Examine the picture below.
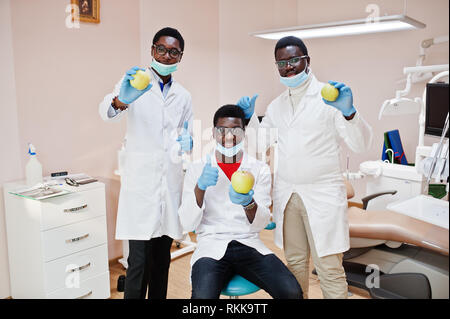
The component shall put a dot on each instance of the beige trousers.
(299, 247)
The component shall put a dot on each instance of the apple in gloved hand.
(140, 81)
(242, 181)
(329, 92)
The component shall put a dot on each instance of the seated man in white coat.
(228, 223)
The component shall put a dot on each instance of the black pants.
(209, 276)
(148, 267)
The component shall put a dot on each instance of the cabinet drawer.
(93, 288)
(66, 240)
(72, 208)
(69, 271)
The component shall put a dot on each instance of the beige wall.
(10, 166)
(60, 75)
(53, 78)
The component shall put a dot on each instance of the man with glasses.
(159, 122)
(228, 223)
(309, 194)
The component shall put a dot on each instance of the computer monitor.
(436, 108)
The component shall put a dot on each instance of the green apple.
(242, 181)
(329, 92)
(140, 81)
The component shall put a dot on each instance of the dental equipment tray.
(425, 208)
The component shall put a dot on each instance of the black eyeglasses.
(223, 131)
(162, 50)
(292, 62)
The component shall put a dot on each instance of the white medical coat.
(219, 221)
(309, 163)
(152, 173)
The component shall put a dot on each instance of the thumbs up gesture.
(247, 104)
(209, 176)
(185, 139)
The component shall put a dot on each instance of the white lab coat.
(309, 163)
(152, 173)
(219, 221)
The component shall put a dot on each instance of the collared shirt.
(296, 94)
(164, 87)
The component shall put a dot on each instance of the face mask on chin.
(296, 80)
(163, 69)
(229, 151)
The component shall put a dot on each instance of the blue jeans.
(210, 276)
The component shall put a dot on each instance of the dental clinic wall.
(372, 65)
(10, 166)
(51, 81)
(54, 77)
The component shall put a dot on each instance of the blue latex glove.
(129, 94)
(185, 139)
(209, 176)
(240, 199)
(344, 102)
(248, 105)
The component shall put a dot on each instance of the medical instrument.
(392, 156)
(430, 169)
(71, 182)
(425, 44)
(401, 105)
(436, 107)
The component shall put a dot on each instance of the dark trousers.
(148, 267)
(210, 276)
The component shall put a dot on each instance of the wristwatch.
(250, 206)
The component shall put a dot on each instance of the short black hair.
(170, 32)
(230, 110)
(290, 40)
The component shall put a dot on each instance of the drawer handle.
(80, 268)
(77, 239)
(85, 295)
(75, 209)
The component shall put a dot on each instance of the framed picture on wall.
(89, 10)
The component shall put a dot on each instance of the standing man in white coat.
(158, 122)
(228, 223)
(309, 194)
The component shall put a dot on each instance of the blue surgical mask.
(163, 69)
(229, 151)
(296, 80)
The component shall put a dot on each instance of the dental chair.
(394, 256)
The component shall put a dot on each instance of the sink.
(425, 208)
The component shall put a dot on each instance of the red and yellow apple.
(242, 181)
(140, 81)
(329, 92)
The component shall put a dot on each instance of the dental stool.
(238, 285)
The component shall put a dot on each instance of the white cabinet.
(57, 247)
